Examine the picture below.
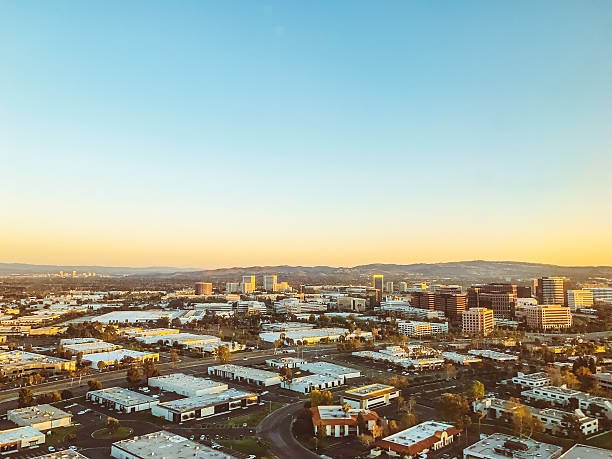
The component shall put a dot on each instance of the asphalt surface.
(276, 429)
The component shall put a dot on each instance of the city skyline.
(213, 135)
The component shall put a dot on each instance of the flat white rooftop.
(586, 452)
(201, 401)
(35, 414)
(65, 454)
(138, 316)
(18, 434)
(22, 356)
(167, 445)
(78, 340)
(245, 372)
(186, 381)
(326, 368)
(371, 390)
(500, 356)
(122, 396)
(417, 433)
(116, 355)
(501, 446)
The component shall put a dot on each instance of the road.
(117, 377)
(276, 429)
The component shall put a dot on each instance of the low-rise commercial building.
(119, 356)
(245, 374)
(187, 385)
(562, 396)
(420, 439)
(306, 384)
(461, 359)
(285, 362)
(314, 335)
(529, 381)
(203, 406)
(121, 399)
(163, 444)
(501, 446)
(493, 355)
(370, 396)
(14, 440)
(63, 454)
(331, 369)
(586, 452)
(18, 363)
(93, 347)
(420, 329)
(336, 422)
(604, 379)
(554, 421)
(40, 417)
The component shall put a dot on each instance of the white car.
(51, 449)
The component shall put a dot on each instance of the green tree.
(478, 390)
(224, 354)
(26, 397)
(94, 384)
(112, 424)
(133, 375)
(174, 357)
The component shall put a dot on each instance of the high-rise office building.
(248, 284)
(523, 291)
(389, 287)
(232, 287)
(501, 298)
(549, 316)
(601, 294)
(203, 288)
(378, 282)
(423, 300)
(403, 287)
(478, 320)
(579, 299)
(269, 282)
(452, 304)
(551, 290)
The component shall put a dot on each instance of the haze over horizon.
(240, 134)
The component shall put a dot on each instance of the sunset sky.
(235, 133)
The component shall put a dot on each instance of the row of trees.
(27, 398)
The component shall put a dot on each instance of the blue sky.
(305, 132)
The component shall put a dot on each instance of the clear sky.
(228, 133)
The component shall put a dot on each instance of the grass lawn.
(248, 445)
(601, 441)
(106, 434)
(254, 417)
(59, 435)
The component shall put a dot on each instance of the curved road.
(276, 429)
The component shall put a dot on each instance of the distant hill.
(24, 268)
(456, 270)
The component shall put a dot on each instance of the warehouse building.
(18, 363)
(285, 362)
(163, 444)
(370, 396)
(14, 440)
(63, 454)
(331, 369)
(40, 417)
(93, 347)
(306, 384)
(187, 385)
(204, 405)
(119, 356)
(121, 399)
(245, 374)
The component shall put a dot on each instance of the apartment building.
(478, 321)
(549, 316)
